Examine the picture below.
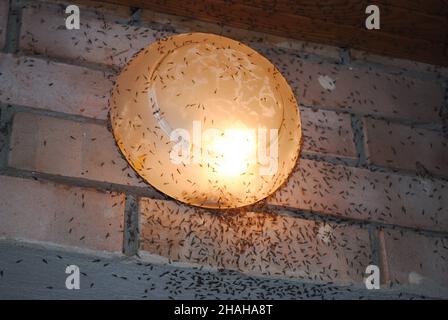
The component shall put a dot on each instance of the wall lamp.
(206, 120)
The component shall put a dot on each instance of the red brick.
(416, 259)
(362, 194)
(256, 243)
(360, 90)
(327, 132)
(2, 141)
(252, 38)
(97, 40)
(260, 40)
(65, 215)
(361, 57)
(404, 147)
(54, 86)
(3, 138)
(68, 148)
(4, 9)
(177, 24)
(102, 10)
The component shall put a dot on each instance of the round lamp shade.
(206, 120)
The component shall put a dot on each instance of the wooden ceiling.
(410, 29)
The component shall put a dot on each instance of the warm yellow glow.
(232, 152)
(206, 120)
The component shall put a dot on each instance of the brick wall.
(370, 186)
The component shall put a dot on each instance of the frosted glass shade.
(206, 120)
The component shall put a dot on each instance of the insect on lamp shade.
(206, 120)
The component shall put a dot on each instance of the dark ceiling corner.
(410, 29)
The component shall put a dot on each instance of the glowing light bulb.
(233, 152)
(200, 95)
